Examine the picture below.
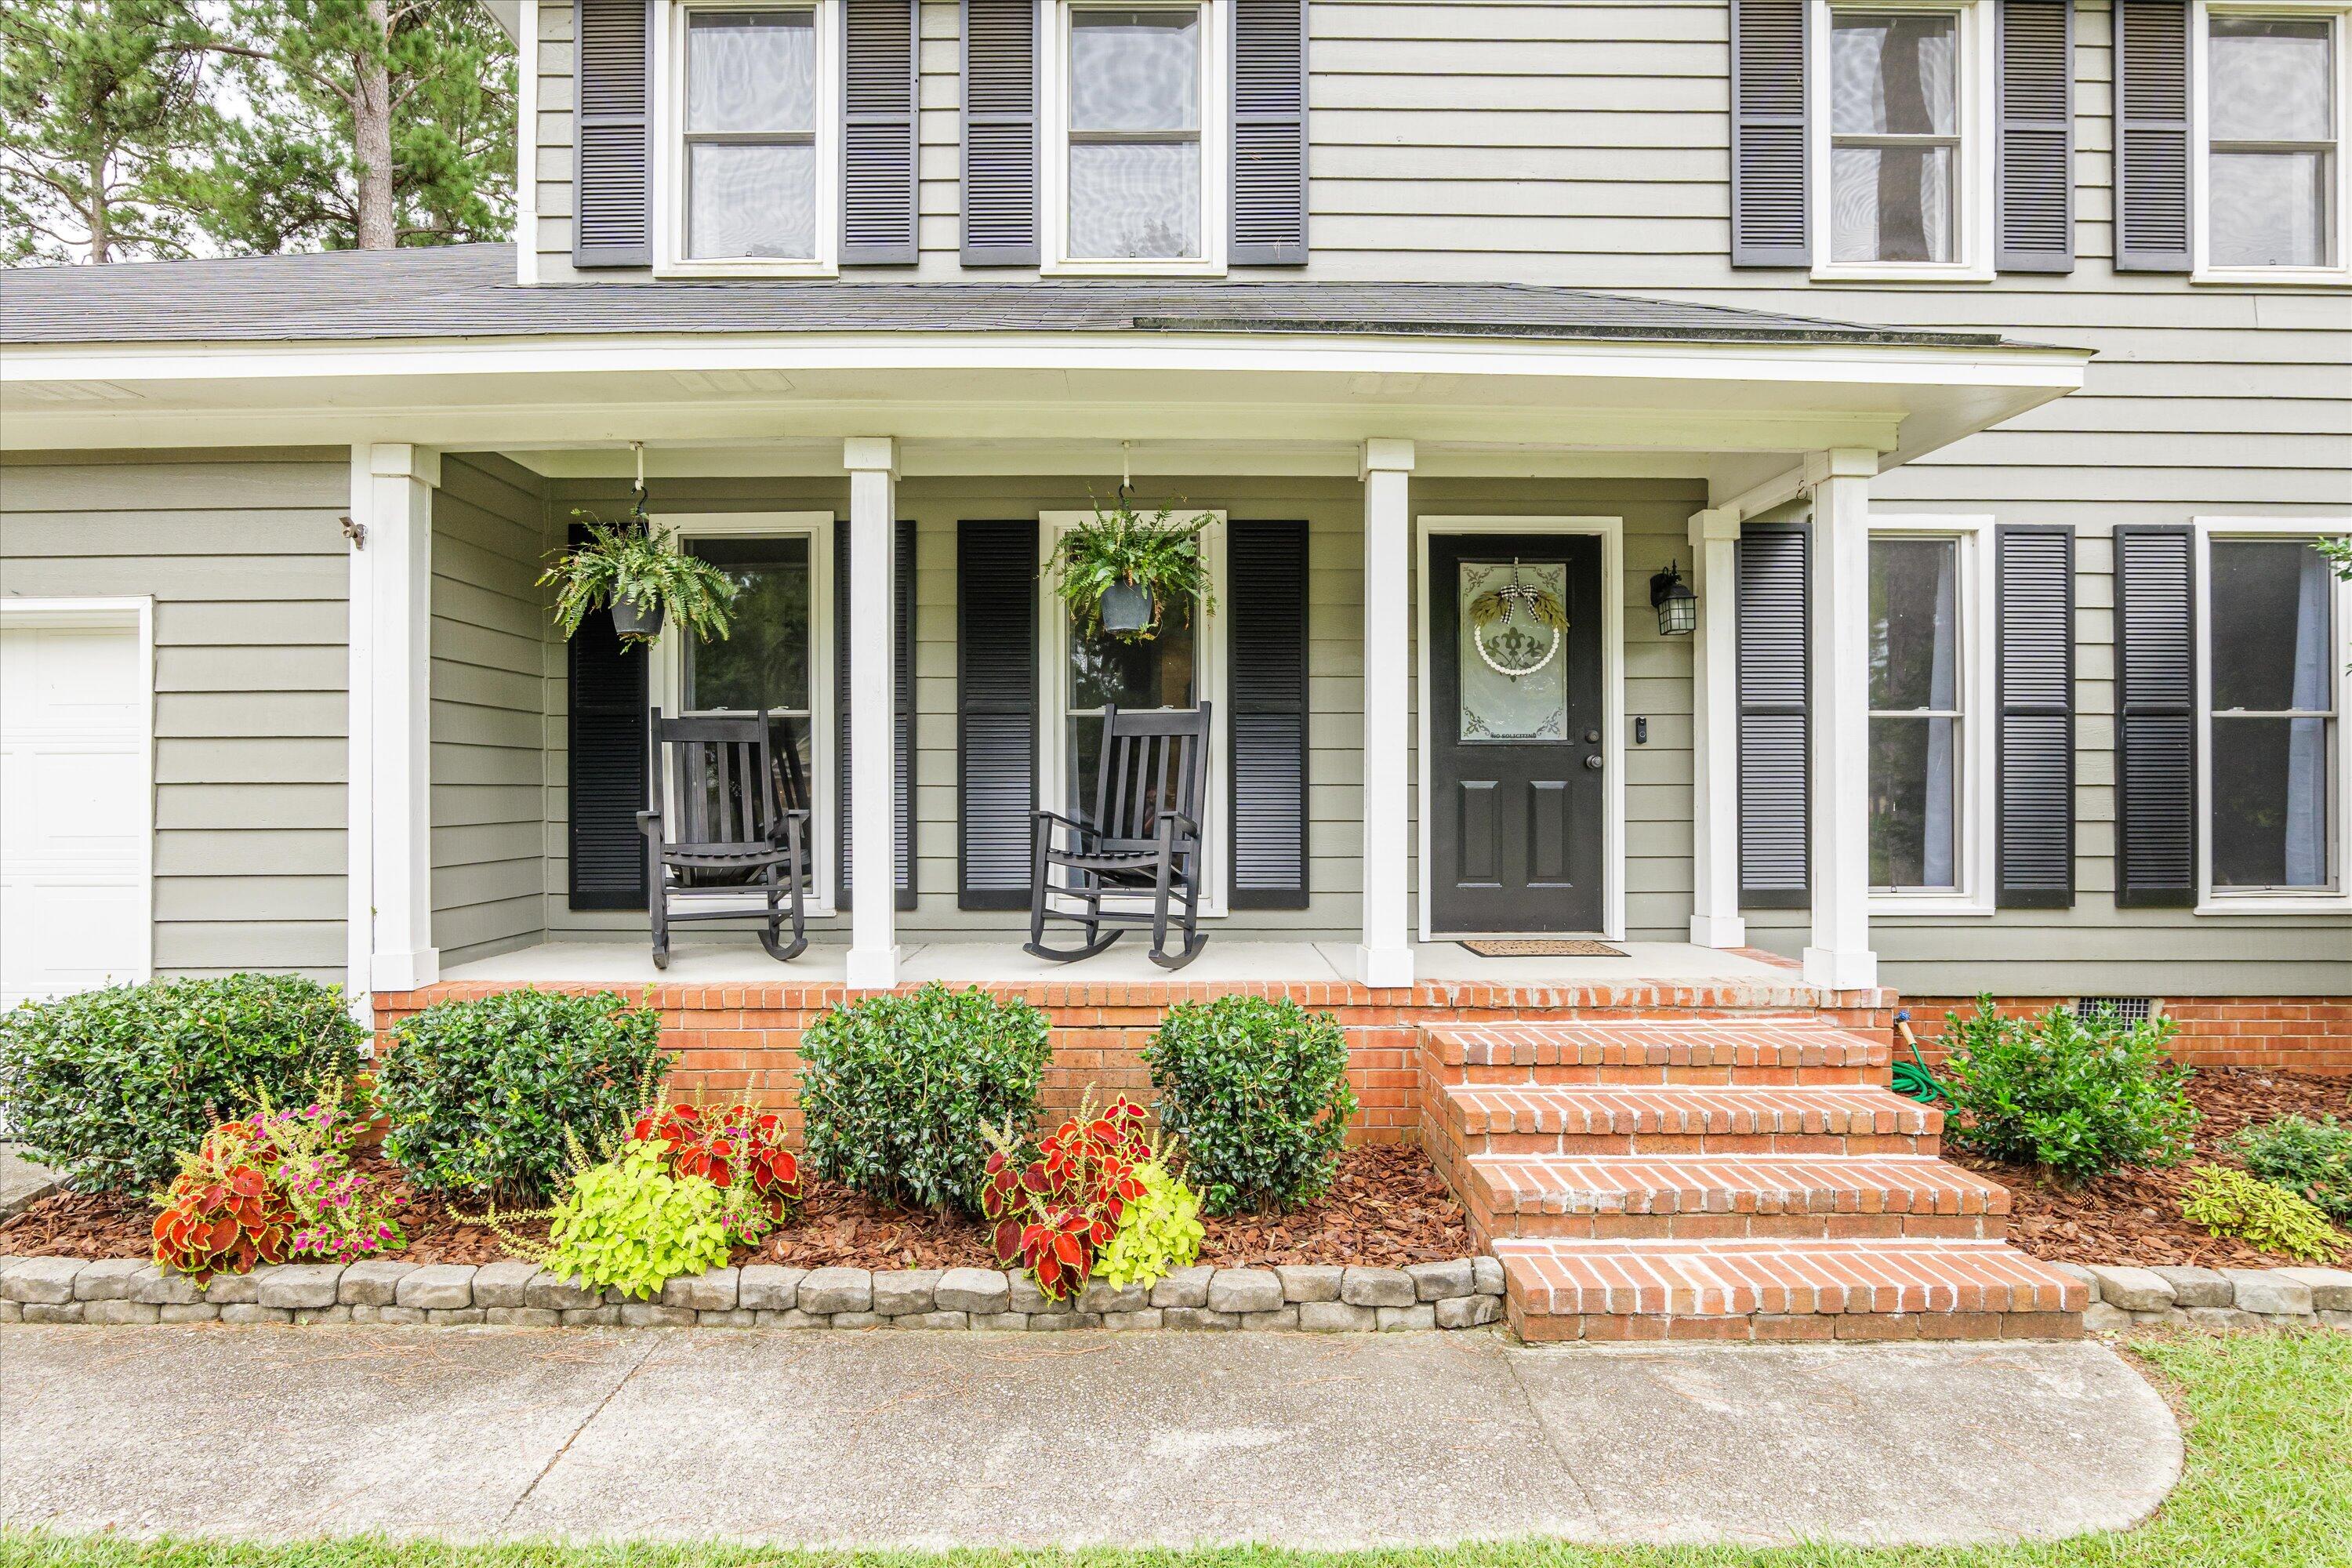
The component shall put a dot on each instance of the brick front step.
(1701, 1196)
(1784, 1289)
(1562, 1119)
(1748, 1052)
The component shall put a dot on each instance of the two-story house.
(1984, 367)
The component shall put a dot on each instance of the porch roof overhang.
(441, 347)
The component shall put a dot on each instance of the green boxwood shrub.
(486, 1097)
(2313, 1158)
(1257, 1091)
(110, 1088)
(2075, 1096)
(897, 1091)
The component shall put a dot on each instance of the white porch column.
(1714, 734)
(390, 695)
(872, 465)
(1841, 955)
(1386, 956)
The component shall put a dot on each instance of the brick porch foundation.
(2298, 1034)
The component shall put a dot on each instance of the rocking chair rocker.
(732, 828)
(1143, 839)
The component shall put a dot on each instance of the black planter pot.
(632, 620)
(1125, 609)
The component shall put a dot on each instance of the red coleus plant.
(725, 1143)
(224, 1211)
(1058, 1207)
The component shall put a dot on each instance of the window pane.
(752, 70)
(1890, 203)
(1135, 70)
(2272, 607)
(1513, 663)
(2271, 791)
(1140, 200)
(2273, 209)
(2272, 80)
(1158, 673)
(763, 661)
(1911, 797)
(1895, 74)
(749, 200)
(1915, 623)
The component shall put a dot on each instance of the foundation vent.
(2130, 1009)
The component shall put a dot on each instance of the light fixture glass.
(1676, 606)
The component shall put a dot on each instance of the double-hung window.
(750, 145)
(1903, 171)
(1135, 98)
(1930, 679)
(2274, 182)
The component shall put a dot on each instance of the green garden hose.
(1911, 1078)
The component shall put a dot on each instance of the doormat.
(1544, 947)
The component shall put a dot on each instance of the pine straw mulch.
(1386, 1207)
(2134, 1215)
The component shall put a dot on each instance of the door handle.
(1593, 762)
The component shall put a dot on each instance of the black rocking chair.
(1144, 838)
(729, 829)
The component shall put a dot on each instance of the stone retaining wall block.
(1303, 1282)
(436, 1287)
(2133, 1290)
(1377, 1288)
(373, 1283)
(1441, 1281)
(1241, 1290)
(1392, 1318)
(43, 1281)
(837, 1290)
(2268, 1292)
(160, 1287)
(984, 1291)
(1186, 1287)
(1469, 1312)
(901, 1292)
(2194, 1286)
(503, 1283)
(301, 1286)
(119, 1309)
(768, 1287)
(106, 1280)
(2331, 1289)
(557, 1294)
(713, 1290)
(1338, 1318)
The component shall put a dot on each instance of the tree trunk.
(371, 133)
(101, 233)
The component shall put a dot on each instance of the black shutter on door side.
(1267, 712)
(2152, 151)
(878, 133)
(1000, 133)
(1769, 173)
(902, 782)
(613, 147)
(2034, 568)
(2156, 717)
(996, 711)
(1269, 161)
(606, 741)
(1774, 716)
(2034, 166)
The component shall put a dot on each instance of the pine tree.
(96, 97)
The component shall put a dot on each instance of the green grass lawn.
(2269, 1484)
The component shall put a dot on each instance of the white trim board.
(1611, 530)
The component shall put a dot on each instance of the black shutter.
(606, 741)
(1769, 162)
(1774, 730)
(996, 711)
(613, 134)
(1267, 712)
(1000, 133)
(1269, 167)
(2035, 166)
(2035, 571)
(2156, 717)
(878, 133)
(2152, 68)
(902, 782)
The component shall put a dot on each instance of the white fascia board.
(508, 14)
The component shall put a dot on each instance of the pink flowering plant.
(342, 1214)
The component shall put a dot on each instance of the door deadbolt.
(1592, 737)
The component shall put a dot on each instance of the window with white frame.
(1929, 678)
(1904, 176)
(2274, 653)
(2273, 128)
(1132, 186)
(752, 145)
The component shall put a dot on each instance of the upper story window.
(749, 140)
(1133, 96)
(2272, 142)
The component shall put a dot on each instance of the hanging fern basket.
(1126, 610)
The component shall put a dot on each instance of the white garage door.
(75, 816)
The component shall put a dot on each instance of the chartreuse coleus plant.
(1159, 1233)
(1056, 1207)
(2229, 1202)
(224, 1212)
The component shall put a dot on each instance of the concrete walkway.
(923, 1439)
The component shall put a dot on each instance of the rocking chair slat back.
(1151, 761)
(723, 783)
(725, 831)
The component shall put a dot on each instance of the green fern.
(1122, 546)
(638, 559)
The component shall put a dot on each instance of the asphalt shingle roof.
(468, 291)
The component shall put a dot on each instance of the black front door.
(1515, 733)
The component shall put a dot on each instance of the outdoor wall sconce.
(1676, 606)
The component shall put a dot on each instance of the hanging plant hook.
(639, 493)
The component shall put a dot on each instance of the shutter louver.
(996, 711)
(2035, 166)
(902, 782)
(2152, 151)
(878, 133)
(1769, 175)
(606, 741)
(2156, 717)
(1269, 163)
(2035, 571)
(1000, 133)
(1267, 712)
(1774, 716)
(613, 148)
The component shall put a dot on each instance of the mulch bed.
(1386, 1207)
(2134, 1215)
